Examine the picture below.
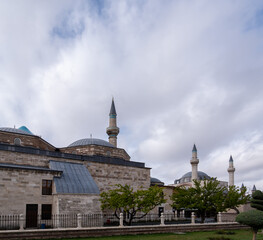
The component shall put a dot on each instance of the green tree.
(208, 196)
(257, 200)
(124, 199)
(252, 218)
(235, 197)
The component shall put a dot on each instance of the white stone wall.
(21, 187)
(77, 203)
(107, 175)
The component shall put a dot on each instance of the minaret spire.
(113, 130)
(231, 171)
(194, 162)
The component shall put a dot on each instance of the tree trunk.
(254, 235)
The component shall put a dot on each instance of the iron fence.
(9, 222)
(14, 222)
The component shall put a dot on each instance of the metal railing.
(14, 222)
(9, 222)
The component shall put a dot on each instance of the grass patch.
(219, 238)
(213, 235)
(225, 232)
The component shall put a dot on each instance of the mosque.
(39, 178)
(187, 179)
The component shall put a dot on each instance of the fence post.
(162, 219)
(182, 214)
(57, 220)
(219, 217)
(121, 220)
(21, 222)
(101, 220)
(192, 218)
(79, 220)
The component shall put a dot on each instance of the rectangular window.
(46, 211)
(46, 187)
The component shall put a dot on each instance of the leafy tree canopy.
(257, 200)
(252, 218)
(208, 196)
(235, 197)
(124, 199)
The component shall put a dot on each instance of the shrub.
(252, 218)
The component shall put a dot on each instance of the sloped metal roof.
(90, 141)
(75, 178)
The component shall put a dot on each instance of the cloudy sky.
(181, 72)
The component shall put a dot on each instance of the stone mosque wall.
(18, 187)
(107, 175)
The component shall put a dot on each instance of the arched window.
(17, 141)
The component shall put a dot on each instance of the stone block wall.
(25, 159)
(26, 140)
(107, 175)
(21, 187)
(97, 150)
(77, 203)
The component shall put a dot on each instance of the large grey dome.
(90, 141)
(188, 176)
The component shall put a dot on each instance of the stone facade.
(19, 187)
(24, 166)
(26, 140)
(108, 175)
(77, 203)
(97, 150)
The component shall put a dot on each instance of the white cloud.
(181, 73)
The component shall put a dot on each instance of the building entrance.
(31, 215)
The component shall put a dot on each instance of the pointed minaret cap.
(242, 186)
(194, 149)
(230, 159)
(112, 109)
(254, 188)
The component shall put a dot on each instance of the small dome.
(188, 176)
(21, 130)
(156, 181)
(25, 129)
(90, 141)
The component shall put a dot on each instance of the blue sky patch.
(69, 27)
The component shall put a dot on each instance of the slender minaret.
(231, 171)
(194, 162)
(113, 130)
(254, 189)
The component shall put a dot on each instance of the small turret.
(254, 189)
(231, 171)
(194, 162)
(113, 130)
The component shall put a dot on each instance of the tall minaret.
(194, 162)
(113, 130)
(231, 171)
